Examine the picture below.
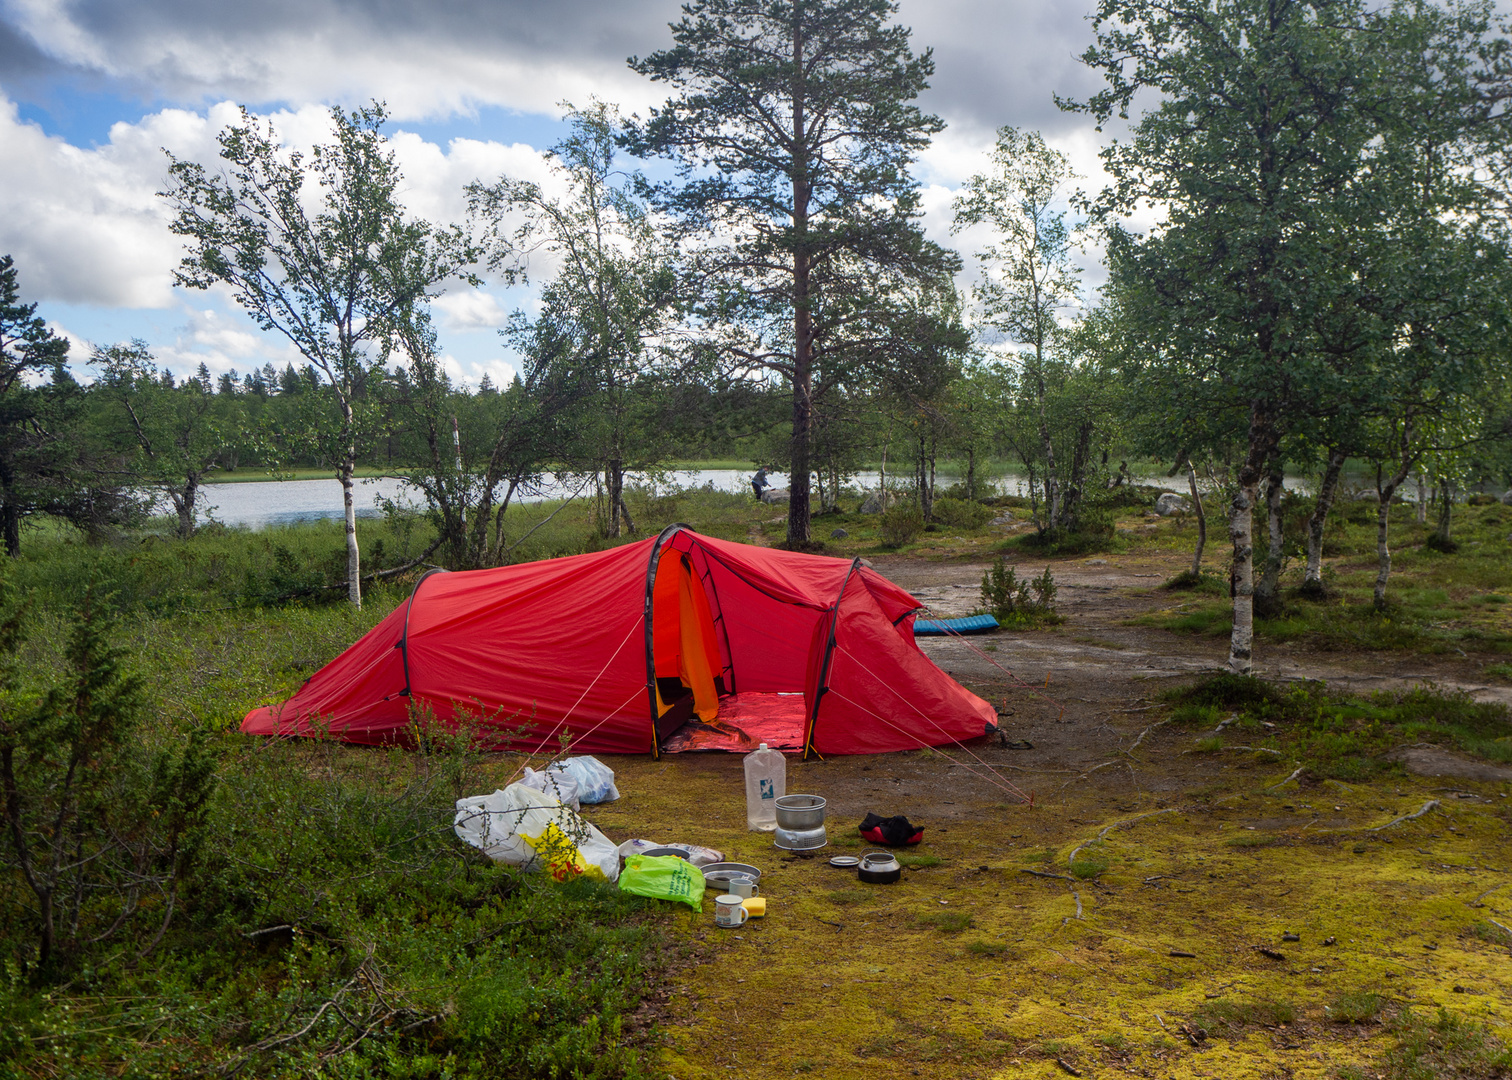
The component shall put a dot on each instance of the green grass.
(1447, 1045)
(946, 922)
(1357, 1007)
(1436, 602)
(919, 862)
(1222, 1015)
(1335, 734)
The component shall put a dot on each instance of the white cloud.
(470, 310)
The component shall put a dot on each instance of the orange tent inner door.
(683, 643)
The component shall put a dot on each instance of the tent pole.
(821, 688)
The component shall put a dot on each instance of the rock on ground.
(775, 495)
(1425, 759)
(1170, 503)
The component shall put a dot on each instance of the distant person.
(760, 482)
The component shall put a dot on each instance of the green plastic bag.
(663, 877)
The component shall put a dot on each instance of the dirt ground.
(1228, 918)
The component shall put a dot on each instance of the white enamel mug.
(742, 885)
(728, 912)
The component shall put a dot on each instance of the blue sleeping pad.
(971, 624)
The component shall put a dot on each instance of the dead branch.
(1116, 825)
(1146, 731)
(1477, 901)
(1086, 774)
(1289, 779)
(1427, 806)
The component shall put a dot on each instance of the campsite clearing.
(1023, 941)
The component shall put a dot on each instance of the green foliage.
(961, 513)
(1336, 734)
(901, 523)
(97, 821)
(1186, 581)
(1016, 602)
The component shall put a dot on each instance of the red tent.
(683, 641)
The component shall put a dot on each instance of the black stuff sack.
(891, 831)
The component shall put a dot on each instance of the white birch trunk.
(1241, 535)
(349, 506)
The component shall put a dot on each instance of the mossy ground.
(974, 967)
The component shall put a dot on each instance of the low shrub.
(961, 514)
(1016, 602)
(900, 524)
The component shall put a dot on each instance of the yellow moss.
(845, 980)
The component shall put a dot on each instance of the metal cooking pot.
(800, 812)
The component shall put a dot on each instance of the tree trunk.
(349, 506)
(803, 326)
(1445, 513)
(1052, 504)
(1383, 521)
(1071, 500)
(1242, 582)
(1312, 578)
(1268, 589)
(10, 514)
(1201, 520)
(1262, 442)
(615, 476)
(1422, 500)
(971, 491)
(184, 504)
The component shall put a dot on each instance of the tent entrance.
(684, 648)
(745, 721)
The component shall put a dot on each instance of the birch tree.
(1029, 279)
(319, 249)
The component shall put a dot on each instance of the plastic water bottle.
(766, 782)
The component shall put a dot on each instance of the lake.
(264, 503)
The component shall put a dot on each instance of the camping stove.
(800, 839)
(800, 823)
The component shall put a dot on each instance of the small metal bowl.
(678, 853)
(845, 862)
(717, 875)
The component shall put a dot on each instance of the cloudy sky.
(92, 91)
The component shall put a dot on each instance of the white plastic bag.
(520, 826)
(555, 782)
(595, 780)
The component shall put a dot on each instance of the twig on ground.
(1427, 806)
(1146, 731)
(1254, 749)
(1289, 779)
(1116, 825)
(1086, 774)
(1477, 901)
(1067, 1068)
